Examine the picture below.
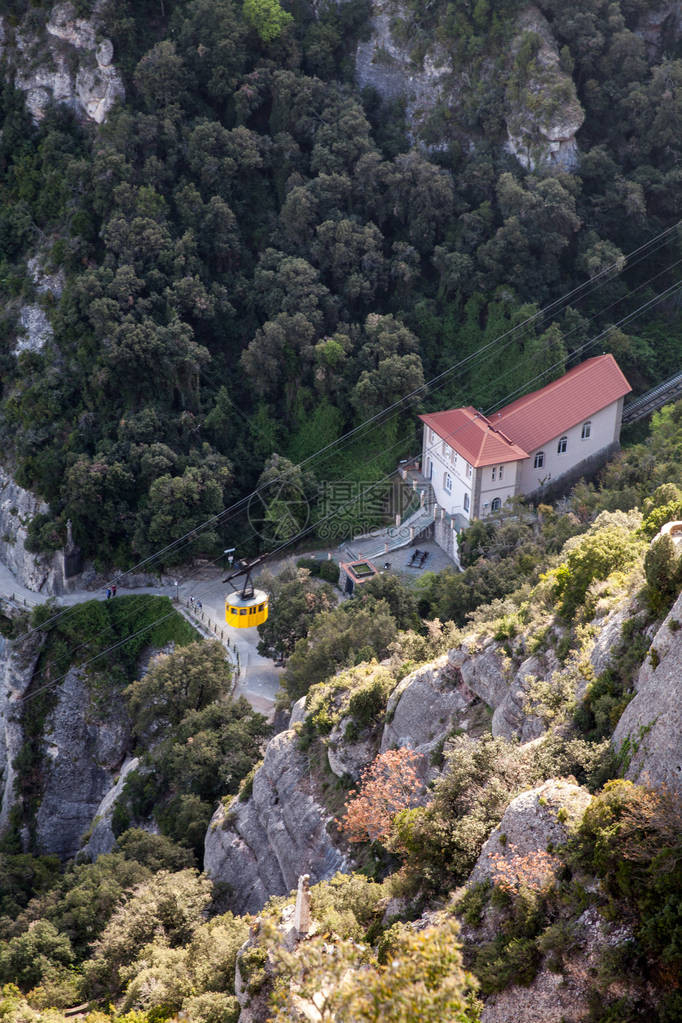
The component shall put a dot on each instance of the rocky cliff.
(43, 573)
(17, 665)
(541, 108)
(59, 57)
(261, 846)
(85, 740)
(649, 734)
(543, 114)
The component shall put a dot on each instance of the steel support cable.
(304, 532)
(231, 512)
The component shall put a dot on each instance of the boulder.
(426, 705)
(536, 819)
(261, 846)
(649, 733)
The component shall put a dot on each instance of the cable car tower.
(246, 607)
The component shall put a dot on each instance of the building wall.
(502, 488)
(605, 429)
(439, 463)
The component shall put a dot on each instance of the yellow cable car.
(246, 608)
(246, 612)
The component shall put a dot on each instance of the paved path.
(259, 678)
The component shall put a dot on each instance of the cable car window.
(243, 610)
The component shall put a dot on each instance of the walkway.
(258, 677)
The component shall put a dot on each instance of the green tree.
(357, 631)
(267, 18)
(189, 679)
(295, 601)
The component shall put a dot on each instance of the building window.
(586, 430)
(562, 445)
(496, 505)
(469, 470)
(501, 472)
(453, 456)
(429, 468)
(447, 482)
(494, 473)
(539, 460)
(466, 502)
(432, 435)
(444, 448)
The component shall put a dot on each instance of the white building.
(475, 464)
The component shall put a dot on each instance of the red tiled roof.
(542, 415)
(473, 436)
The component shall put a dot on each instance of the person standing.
(113, 590)
(108, 592)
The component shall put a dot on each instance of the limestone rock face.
(543, 112)
(660, 26)
(261, 846)
(39, 572)
(649, 733)
(85, 742)
(482, 670)
(425, 706)
(531, 822)
(609, 637)
(47, 71)
(102, 838)
(386, 65)
(17, 665)
(561, 997)
(488, 674)
(346, 757)
(37, 329)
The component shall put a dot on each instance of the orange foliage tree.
(534, 871)
(391, 783)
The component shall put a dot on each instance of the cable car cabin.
(246, 612)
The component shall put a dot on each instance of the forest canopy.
(256, 258)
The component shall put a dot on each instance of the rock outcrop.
(39, 572)
(649, 733)
(543, 113)
(261, 846)
(533, 821)
(425, 706)
(17, 664)
(660, 26)
(85, 741)
(70, 63)
(490, 674)
(102, 838)
(387, 66)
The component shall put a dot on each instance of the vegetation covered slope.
(141, 929)
(256, 260)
